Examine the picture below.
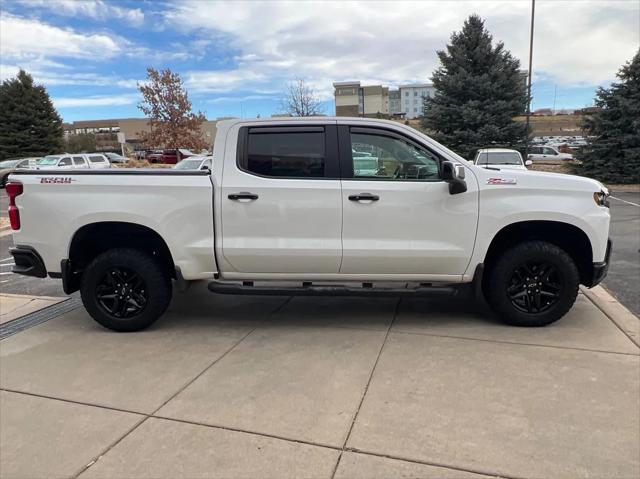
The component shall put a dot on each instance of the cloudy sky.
(236, 57)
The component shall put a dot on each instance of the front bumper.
(600, 269)
(28, 262)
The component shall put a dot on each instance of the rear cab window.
(97, 159)
(295, 152)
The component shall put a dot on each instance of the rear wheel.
(533, 284)
(125, 289)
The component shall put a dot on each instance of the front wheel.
(532, 284)
(125, 289)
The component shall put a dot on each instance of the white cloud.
(576, 42)
(94, 101)
(25, 39)
(94, 9)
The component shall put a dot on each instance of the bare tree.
(301, 99)
(166, 104)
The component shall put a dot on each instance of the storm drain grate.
(33, 319)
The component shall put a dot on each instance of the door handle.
(364, 197)
(243, 195)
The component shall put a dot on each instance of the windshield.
(188, 165)
(499, 158)
(48, 160)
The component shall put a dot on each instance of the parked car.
(73, 161)
(194, 163)
(501, 158)
(153, 156)
(547, 153)
(282, 203)
(116, 158)
(97, 160)
(169, 156)
(9, 166)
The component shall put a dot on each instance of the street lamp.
(533, 12)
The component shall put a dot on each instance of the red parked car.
(168, 157)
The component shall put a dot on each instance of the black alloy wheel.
(122, 293)
(535, 286)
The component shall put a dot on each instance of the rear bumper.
(600, 269)
(28, 262)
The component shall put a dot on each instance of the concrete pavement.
(226, 386)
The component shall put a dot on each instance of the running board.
(308, 289)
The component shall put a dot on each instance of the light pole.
(533, 12)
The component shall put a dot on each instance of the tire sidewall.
(157, 284)
(500, 276)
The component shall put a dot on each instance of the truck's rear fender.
(95, 238)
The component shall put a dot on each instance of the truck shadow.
(198, 305)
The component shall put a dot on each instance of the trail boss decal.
(502, 181)
(56, 179)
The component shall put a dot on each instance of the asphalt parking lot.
(623, 279)
(226, 386)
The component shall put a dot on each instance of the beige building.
(106, 131)
(352, 99)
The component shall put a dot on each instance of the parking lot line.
(624, 201)
(5, 259)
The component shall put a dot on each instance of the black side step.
(309, 290)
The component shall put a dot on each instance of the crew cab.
(347, 206)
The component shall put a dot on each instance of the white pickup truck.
(284, 211)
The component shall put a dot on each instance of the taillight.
(13, 189)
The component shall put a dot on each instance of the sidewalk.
(13, 306)
(228, 386)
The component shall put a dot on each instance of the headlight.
(601, 198)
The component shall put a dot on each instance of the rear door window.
(79, 161)
(285, 152)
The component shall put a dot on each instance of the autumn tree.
(301, 99)
(166, 104)
(29, 123)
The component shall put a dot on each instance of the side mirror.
(528, 163)
(454, 175)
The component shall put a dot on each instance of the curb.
(624, 319)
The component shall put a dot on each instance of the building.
(106, 132)
(412, 99)
(352, 99)
(395, 107)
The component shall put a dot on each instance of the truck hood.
(539, 179)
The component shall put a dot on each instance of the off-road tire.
(157, 288)
(500, 275)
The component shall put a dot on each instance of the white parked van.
(76, 161)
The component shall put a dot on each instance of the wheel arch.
(570, 238)
(93, 239)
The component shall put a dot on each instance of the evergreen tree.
(29, 124)
(479, 89)
(613, 133)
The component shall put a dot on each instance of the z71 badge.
(502, 181)
(56, 179)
